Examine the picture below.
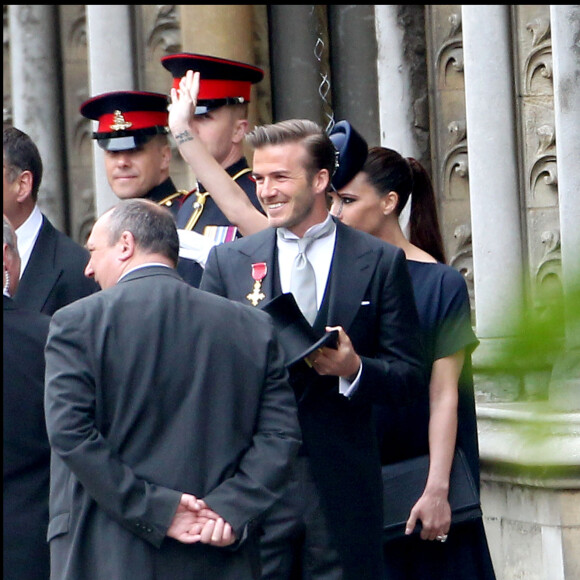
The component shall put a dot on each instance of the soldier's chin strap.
(199, 203)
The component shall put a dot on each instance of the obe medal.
(259, 271)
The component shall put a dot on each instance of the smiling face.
(291, 197)
(135, 172)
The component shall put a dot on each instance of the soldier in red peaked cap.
(133, 131)
(221, 122)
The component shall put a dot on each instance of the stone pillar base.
(530, 490)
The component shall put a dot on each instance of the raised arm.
(227, 194)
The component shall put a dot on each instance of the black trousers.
(296, 544)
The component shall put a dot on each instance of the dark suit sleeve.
(397, 374)
(145, 509)
(265, 466)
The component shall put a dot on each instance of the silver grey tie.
(303, 281)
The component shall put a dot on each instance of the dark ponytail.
(387, 170)
(424, 222)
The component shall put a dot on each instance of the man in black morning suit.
(52, 271)
(363, 289)
(26, 452)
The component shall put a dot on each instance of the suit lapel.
(353, 266)
(41, 273)
(260, 247)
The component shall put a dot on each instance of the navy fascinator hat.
(352, 152)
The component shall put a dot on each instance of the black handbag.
(404, 482)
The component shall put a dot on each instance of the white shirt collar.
(26, 235)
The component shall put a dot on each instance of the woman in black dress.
(373, 200)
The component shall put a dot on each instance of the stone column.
(37, 98)
(394, 83)
(296, 76)
(353, 53)
(219, 30)
(229, 31)
(111, 68)
(565, 26)
(493, 170)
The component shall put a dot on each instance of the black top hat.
(221, 81)
(352, 152)
(127, 119)
(297, 337)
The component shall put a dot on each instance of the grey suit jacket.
(132, 425)
(369, 294)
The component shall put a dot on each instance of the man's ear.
(240, 130)
(126, 245)
(6, 257)
(24, 183)
(321, 181)
(166, 157)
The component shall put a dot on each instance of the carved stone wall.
(448, 135)
(78, 130)
(540, 178)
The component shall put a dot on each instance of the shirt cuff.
(348, 388)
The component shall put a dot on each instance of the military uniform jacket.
(165, 194)
(211, 214)
(168, 195)
(369, 294)
(131, 426)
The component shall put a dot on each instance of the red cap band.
(220, 89)
(131, 120)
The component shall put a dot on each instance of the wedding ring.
(442, 538)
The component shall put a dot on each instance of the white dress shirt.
(319, 253)
(26, 236)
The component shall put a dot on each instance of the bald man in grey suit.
(162, 466)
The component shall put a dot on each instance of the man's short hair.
(321, 151)
(152, 226)
(21, 154)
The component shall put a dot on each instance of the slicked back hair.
(321, 153)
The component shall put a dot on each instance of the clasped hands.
(194, 522)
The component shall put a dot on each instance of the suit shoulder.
(245, 243)
(65, 245)
(70, 245)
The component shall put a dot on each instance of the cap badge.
(119, 123)
(259, 271)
